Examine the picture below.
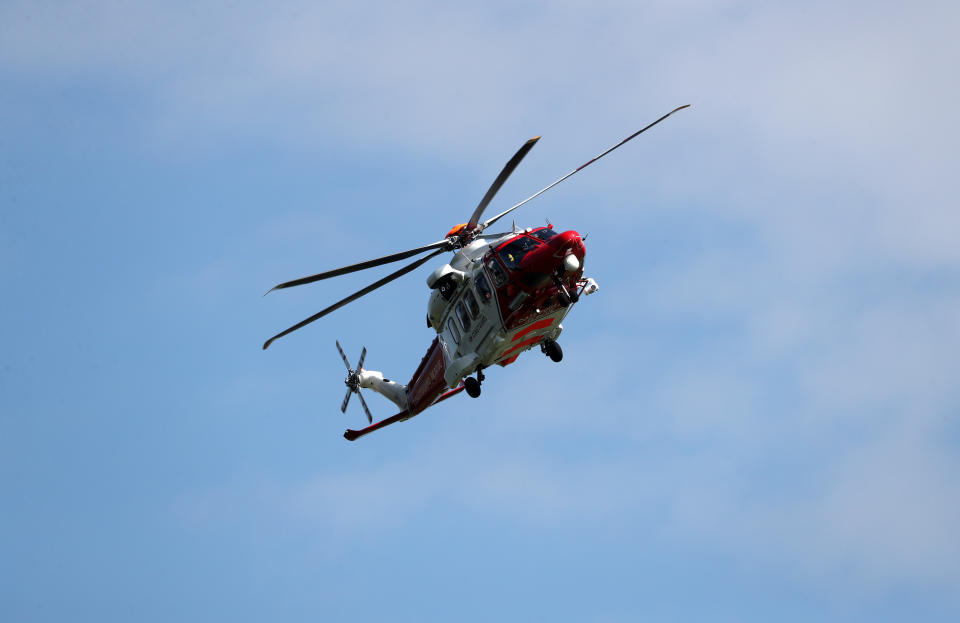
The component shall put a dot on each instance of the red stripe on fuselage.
(540, 324)
(522, 344)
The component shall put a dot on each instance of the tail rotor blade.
(366, 409)
(362, 357)
(346, 400)
(344, 357)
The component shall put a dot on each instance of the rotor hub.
(353, 380)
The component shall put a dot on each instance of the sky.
(757, 416)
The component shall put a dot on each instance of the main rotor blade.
(582, 166)
(495, 236)
(497, 183)
(370, 288)
(396, 257)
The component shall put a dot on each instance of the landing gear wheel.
(473, 386)
(552, 350)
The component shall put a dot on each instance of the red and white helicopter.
(499, 296)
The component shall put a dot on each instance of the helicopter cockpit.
(514, 251)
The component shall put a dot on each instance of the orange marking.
(456, 230)
(540, 324)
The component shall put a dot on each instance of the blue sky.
(756, 418)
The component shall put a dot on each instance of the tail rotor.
(353, 382)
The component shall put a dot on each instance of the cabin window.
(496, 271)
(512, 253)
(471, 303)
(452, 329)
(483, 288)
(544, 234)
(464, 318)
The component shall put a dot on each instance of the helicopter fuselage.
(495, 300)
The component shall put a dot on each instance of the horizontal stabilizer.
(353, 435)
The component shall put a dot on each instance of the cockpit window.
(512, 253)
(544, 234)
(483, 288)
(497, 272)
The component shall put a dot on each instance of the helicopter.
(499, 296)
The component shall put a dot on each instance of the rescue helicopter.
(499, 296)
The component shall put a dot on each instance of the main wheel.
(553, 351)
(472, 386)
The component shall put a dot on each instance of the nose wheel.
(472, 385)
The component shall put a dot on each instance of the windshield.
(512, 253)
(544, 234)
